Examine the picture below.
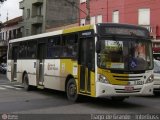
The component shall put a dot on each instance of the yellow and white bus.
(94, 60)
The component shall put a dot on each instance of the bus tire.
(71, 90)
(26, 85)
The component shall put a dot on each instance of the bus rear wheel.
(71, 90)
(26, 85)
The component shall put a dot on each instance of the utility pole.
(7, 16)
(107, 10)
(88, 11)
(0, 26)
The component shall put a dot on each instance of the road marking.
(19, 86)
(1, 88)
(16, 87)
(7, 86)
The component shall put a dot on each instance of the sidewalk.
(3, 78)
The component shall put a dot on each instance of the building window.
(82, 22)
(99, 19)
(1, 36)
(27, 32)
(39, 10)
(82, 1)
(6, 36)
(28, 14)
(115, 16)
(144, 17)
(10, 35)
(93, 20)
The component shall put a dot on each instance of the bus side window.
(31, 50)
(70, 43)
(54, 47)
(23, 50)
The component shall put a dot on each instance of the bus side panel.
(9, 64)
(56, 72)
(30, 67)
(52, 78)
(93, 85)
(69, 67)
(19, 71)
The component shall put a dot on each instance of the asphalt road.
(14, 100)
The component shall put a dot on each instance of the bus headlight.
(150, 79)
(102, 79)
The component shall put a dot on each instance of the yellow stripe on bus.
(93, 85)
(76, 29)
(69, 66)
(111, 77)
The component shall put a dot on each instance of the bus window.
(23, 50)
(70, 43)
(31, 51)
(54, 47)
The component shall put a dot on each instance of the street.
(13, 99)
(95, 47)
(42, 103)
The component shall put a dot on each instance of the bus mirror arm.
(74, 58)
(90, 66)
(98, 47)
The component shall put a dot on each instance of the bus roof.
(79, 28)
(71, 30)
(64, 31)
(43, 35)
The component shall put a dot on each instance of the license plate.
(129, 88)
(138, 82)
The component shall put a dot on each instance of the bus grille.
(128, 78)
(135, 90)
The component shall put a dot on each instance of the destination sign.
(108, 30)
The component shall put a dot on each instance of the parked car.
(3, 68)
(156, 76)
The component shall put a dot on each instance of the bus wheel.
(71, 90)
(26, 85)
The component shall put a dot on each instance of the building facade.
(138, 12)
(9, 30)
(39, 15)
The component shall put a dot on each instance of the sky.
(12, 6)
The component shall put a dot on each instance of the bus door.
(40, 63)
(14, 63)
(86, 61)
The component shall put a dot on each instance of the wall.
(28, 22)
(128, 11)
(60, 12)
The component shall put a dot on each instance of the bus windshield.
(128, 55)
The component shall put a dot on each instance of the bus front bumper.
(104, 90)
(156, 87)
